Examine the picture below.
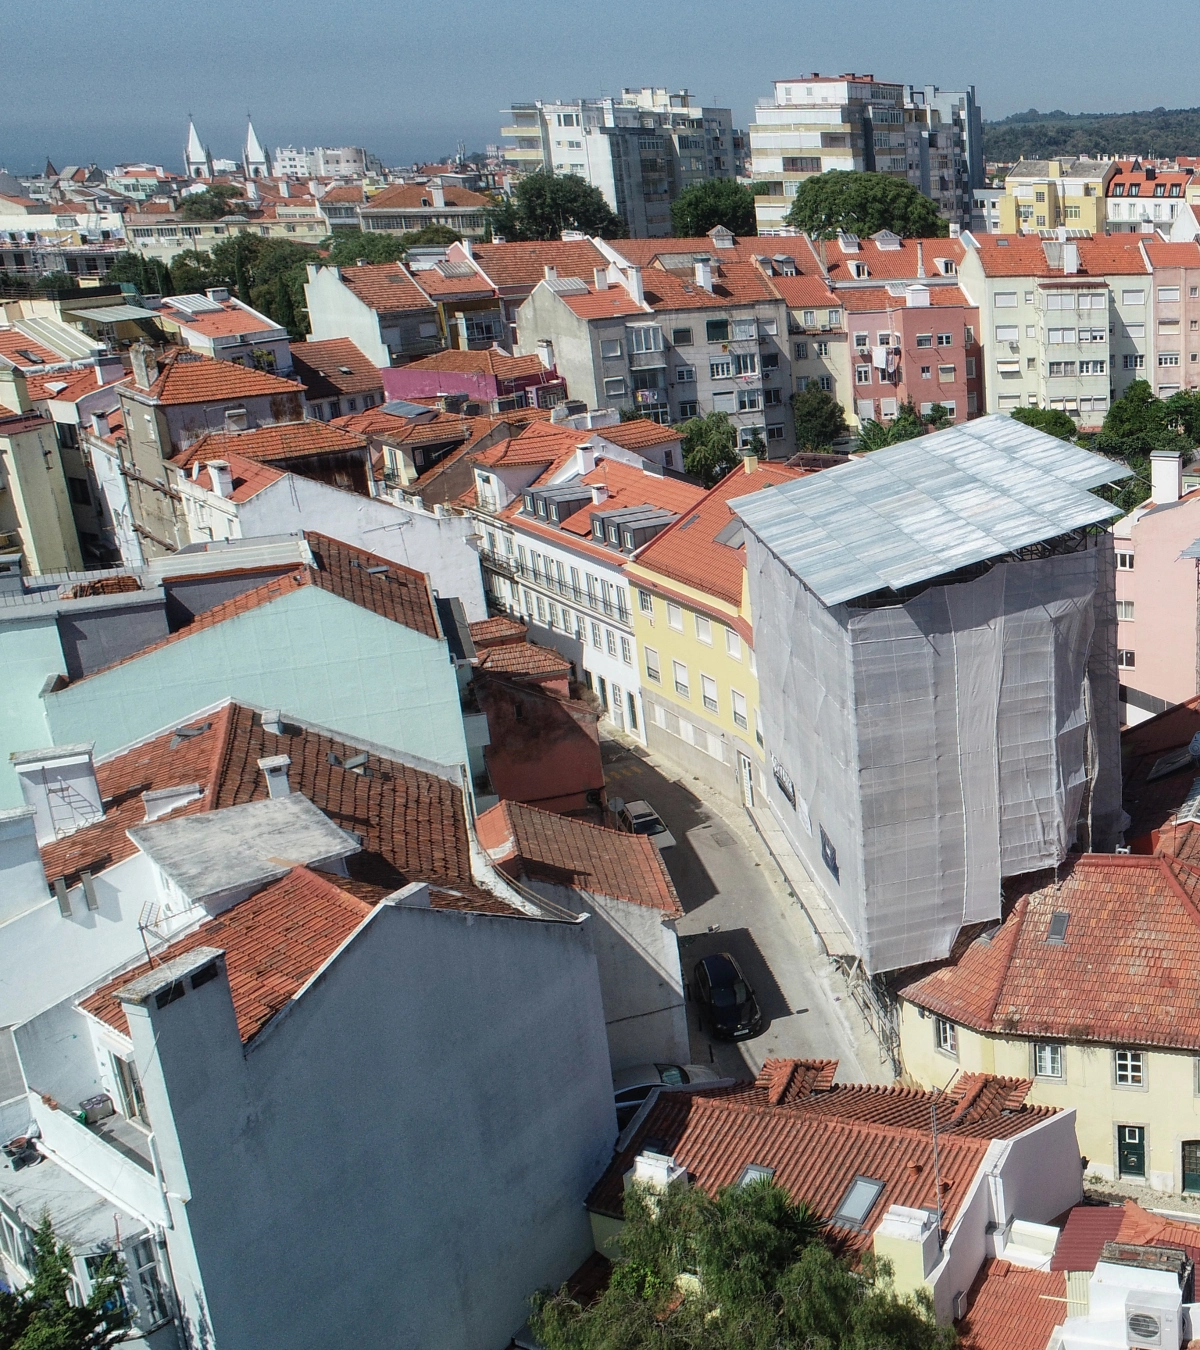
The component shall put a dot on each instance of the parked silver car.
(631, 1087)
(641, 818)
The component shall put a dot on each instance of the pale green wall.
(32, 652)
(317, 657)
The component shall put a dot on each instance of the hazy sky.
(115, 79)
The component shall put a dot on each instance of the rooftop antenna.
(937, 1173)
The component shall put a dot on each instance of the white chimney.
(60, 784)
(550, 272)
(916, 297)
(585, 459)
(920, 259)
(599, 494)
(601, 277)
(272, 721)
(703, 266)
(658, 1171)
(221, 477)
(159, 801)
(144, 363)
(218, 293)
(955, 230)
(546, 352)
(100, 424)
(1166, 476)
(633, 284)
(439, 195)
(276, 769)
(1070, 255)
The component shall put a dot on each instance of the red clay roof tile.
(281, 440)
(1012, 1308)
(189, 377)
(333, 368)
(385, 287)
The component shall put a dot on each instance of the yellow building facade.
(35, 505)
(1043, 194)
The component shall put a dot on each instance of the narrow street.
(735, 900)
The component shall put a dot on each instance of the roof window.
(753, 1172)
(857, 1202)
(1058, 926)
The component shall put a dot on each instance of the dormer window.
(860, 270)
(598, 530)
(614, 535)
(541, 508)
(1118, 190)
(529, 509)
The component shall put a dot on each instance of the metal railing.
(566, 590)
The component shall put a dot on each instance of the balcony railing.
(618, 610)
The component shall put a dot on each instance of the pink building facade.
(1158, 595)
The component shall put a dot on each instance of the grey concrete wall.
(189, 597)
(95, 638)
(403, 1158)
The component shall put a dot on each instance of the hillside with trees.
(1161, 132)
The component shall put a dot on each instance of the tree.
(346, 247)
(1053, 421)
(544, 205)
(862, 204)
(193, 271)
(818, 416)
(717, 201)
(430, 236)
(710, 447)
(40, 1316)
(907, 425)
(150, 275)
(746, 1269)
(56, 281)
(211, 204)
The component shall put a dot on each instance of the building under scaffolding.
(935, 638)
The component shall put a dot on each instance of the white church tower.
(255, 160)
(196, 158)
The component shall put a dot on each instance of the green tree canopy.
(149, 275)
(56, 281)
(430, 236)
(194, 271)
(862, 204)
(40, 1316)
(212, 203)
(710, 447)
(717, 201)
(544, 205)
(818, 416)
(344, 248)
(744, 1270)
(1053, 421)
(268, 274)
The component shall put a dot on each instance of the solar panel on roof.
(194, 304)
(455, 269)
(567, 285)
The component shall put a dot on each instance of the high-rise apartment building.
(641, 149)
(929, 137)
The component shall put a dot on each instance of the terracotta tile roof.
(525, 658)
(1127, 174)
(190, 377)
(539, 443)
(1087, 1229)
(674, 251)
(333, 368)
(14, 346)
(688, 550)
(346, 193)
(412, 196)
(273, 942)
(639, 434)
(612, 303)
(249, 477)
(438, 286)
(817, 1149)
(1152, 801)
(278, 441)
(64, 386)
(527, 842)
(396, 430)
(807, 292)
(629, 486)
(81, 590)
(231, 319)
(1164, 254)
(385, 287)
(497, 632)
(734, 283)
(860, 299)
(492, 362)
(1153, 1230)
(1023, 255)
(1121, 976)
(162, 762)
(520, 266)
(889, 264)
(1012, 1308)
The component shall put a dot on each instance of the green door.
(1131, 1150)
(1191, 1165)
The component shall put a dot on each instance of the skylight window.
(1058, 927)
(858, 1202)
(755, 1172)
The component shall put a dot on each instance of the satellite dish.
(616, 804)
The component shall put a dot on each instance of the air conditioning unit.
(1154, 1319)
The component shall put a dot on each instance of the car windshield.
(648, 825)
(672, 1075)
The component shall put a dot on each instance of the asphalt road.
(735, 900)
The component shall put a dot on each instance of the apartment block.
(1142, 200)
(1041, 194)
(641, 150)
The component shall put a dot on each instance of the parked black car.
(726, 1000)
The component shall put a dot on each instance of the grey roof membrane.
(241, 846)
(918, 510)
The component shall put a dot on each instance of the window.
(674, 617)
(927, 372)
(1048, 1060)
(746, 365)
(610, 348)
(770, 361)
(862, 341)
(681, 337)
(773, 398)
(1091, 367)
(680, 672)
(776, 433)
(685, 374)
(970, 367)
(129, 1086)
(708, 692)
(1168, 294)
(739, 709)
(827, 384)
(945, 1035)
(1063, 368)
(745, 330)
(862, 374)
(1072, 212)
(652, 668)
(1133, 297)
(924, 339)
(703, 629)
(78, 489)
(946, 374)
(626, 651)
(1168, 358)
(614, 388)
(1129, 1068)
(857, 1203)
(1125, 658)
(1007, 333)
(1005, 300)
(717, 330)
(646, 337)
(1039, 196)
(801, 350)
(1060, 335)
(597, 640)
(749, 400)
(688, 409)
(821, 349)
(945, 339)
(720, 370)
(645, 602)
(152, 1296)
(1136, 361)
(810, 317)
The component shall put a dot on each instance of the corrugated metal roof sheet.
(917, 510)
(112, 313)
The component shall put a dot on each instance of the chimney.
(284, 188)
(749, 462)
(920, 259)
(100, 424)
(235, 419)
(272, 721)
(60, 785)
(546, 352)
(439, 195)
(1070, 257)
(601, 278)
(550, 272)
(158, 801)
(145, 364)
(916, 297)
(585, 459)
(633, 284)
(276, 769)
(955, 230)
(221, 477)
(703, 265)
(20, 864)
(1166, 477)
(599, 494)
(218, 293)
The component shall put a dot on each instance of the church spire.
(196, 158)
(255, 160)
